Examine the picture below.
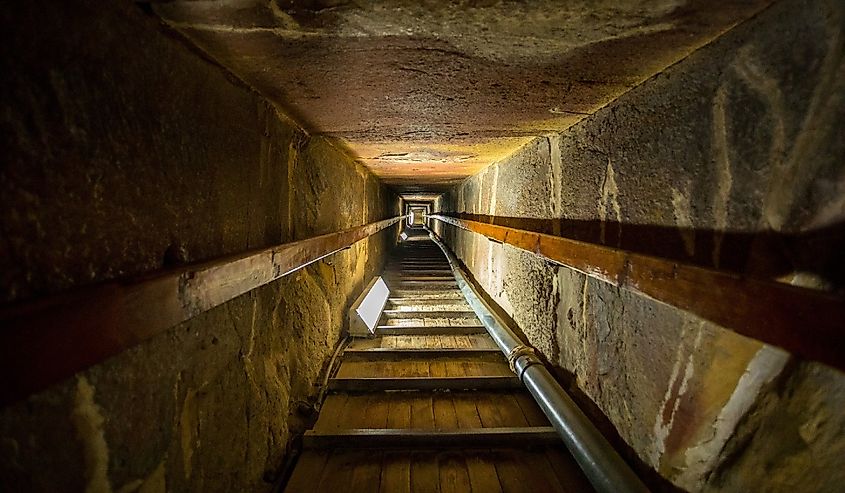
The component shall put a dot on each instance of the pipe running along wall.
(601, 464)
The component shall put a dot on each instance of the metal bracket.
(522, 351)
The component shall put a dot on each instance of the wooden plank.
(513, 466)
(423, 383)
(388, 330)
(332, 412)
(429, 314)
(445, 415)
(454, 477)
(376, 412)
(422, 412)
(425, 474)
(494, 368)
(456, 366)
(395, 472)
(480, 341)
(307, 472)
(337, 475)
(492, 409)
(438, 368)
(417, 296)
(103, 320)
(533, 414)
(399, 416)
(805, 322)
(406, 362)
(366, 477)
(446, 350)
(409, 276)
(482, 473)
(534, 468)
(465, 410)
(457, 300)
(488, 366)
(448, 282)
(455, 306)
(362, 343)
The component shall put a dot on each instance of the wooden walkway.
(429, 404)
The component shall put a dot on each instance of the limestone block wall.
(731, 158)
(126, 151)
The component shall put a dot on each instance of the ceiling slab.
(426, 93)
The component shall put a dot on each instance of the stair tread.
(430, 410)
(372, 384)
(421, 366)
(481, 340)
(515, 469)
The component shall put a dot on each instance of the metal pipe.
(602, 465)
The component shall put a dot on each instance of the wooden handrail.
(48, 340)
(805, 322)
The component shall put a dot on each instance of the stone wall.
(125, 151)
(731, 158)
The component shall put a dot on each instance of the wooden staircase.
(430, 404)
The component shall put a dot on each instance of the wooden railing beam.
(805, 322)
(46, 341)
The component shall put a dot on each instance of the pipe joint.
(521, 357)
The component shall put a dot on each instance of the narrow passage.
(429, 403)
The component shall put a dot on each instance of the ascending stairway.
(430, 404)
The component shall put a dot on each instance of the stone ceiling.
(426, 93)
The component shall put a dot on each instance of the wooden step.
(450, 296)
(420, 330)
(427, 294)
(512, 470)
(424, 341)
(387, 353)
(413, 438)
(423, 283)
(455, 305)
(423, 383)
(408, 277)
(417, 356)
(430, 410)
(411, 366)
(397, 313)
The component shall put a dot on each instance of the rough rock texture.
(731, 158)
(427, 93)
(123, 152)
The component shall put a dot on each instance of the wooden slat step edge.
(453, 293)
(421, 330)
(381, 352)
(407, 277)
(374, 384)
(450, 280)
(390, 437)
(429, 313)
(457, 297)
